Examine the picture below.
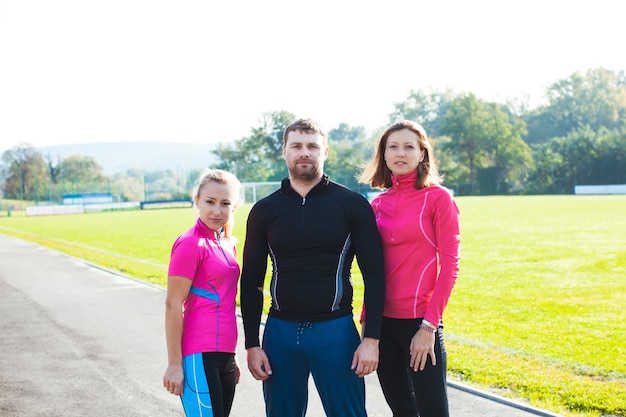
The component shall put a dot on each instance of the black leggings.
(410, 393)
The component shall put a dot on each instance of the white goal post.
(252, 192)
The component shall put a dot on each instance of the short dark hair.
(306, 126)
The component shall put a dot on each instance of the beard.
(305, 174)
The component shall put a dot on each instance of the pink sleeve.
(183, 258)
(447, 233)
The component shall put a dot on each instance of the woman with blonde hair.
(200, 320)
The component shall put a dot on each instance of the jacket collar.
(204, 229)
(404, 181)
(286, 187)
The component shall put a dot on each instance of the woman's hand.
(422, 345)
(237, 371)
(173, 379)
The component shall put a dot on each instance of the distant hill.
(116, 157)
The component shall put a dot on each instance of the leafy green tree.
(241, 159)
(595, 99)
(548, 175)
(79, 174)
(80, 169)
(270, 136)
(583, 157)
(192, 179)
(579, 152)
(54, 169)
(24, 173)
(346, 133)
(465, 124)
(129, 185)
(487, 139)
(610, 165)
(426, 108)
(185, 184)
(510, 158)
(453, 172)
(160, 185)
(541, 127)
(348, 149)
(258, 157)
(594, 157)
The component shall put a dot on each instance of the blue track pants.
(321, 349)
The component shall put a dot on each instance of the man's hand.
(365, 360)
(258, 363)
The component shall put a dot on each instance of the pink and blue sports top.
(209, 311)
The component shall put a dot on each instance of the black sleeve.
(369, 254)
(253, 276)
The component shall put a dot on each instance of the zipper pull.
(303, 200)
(219, 243)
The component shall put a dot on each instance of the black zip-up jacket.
(311, 242)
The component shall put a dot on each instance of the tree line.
(578, 137)
(482, 148)
(28, 175)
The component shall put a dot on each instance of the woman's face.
(402, 152)
(215, 203)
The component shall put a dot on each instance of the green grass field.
(537, 313)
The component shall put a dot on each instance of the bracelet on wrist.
(428, 328)
(429, 324)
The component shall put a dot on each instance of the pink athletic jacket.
(420, 234)
(209, 315)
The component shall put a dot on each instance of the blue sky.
(74, 71)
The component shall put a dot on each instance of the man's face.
(305, 154)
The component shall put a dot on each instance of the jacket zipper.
(219, 243)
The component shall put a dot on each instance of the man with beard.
(311, 228)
